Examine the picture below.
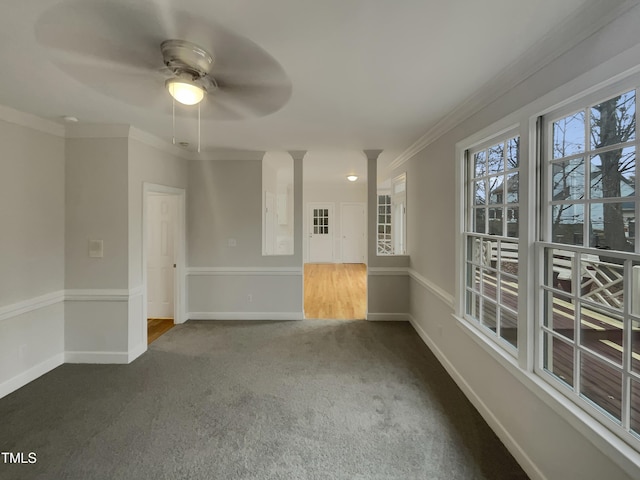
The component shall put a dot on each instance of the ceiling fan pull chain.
(174, 120)
(198, 128)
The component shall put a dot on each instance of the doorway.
(335, 241)
(163, 258)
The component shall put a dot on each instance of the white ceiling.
(361, 74)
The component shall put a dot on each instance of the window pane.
(513, 222)
(509, 292)
(489, 285)
(602, 282)
(480, 193)
(635, 406)
(567, 224)
(559, 314)
(601, 384)
(509, 258)
(488, 318)
(480, 161)
(513, 153)
(559, 269)
(509, 326)
(568, 180)
(473, 277)
(513, 188)
(568, 135)
(496, 158)
(613, 174)
(473, 305)
(613, 121)
(495, 221)
(558, 358)
(601, 332)
(479, 220)
(610, 225)
(496, 189)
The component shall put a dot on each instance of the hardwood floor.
(335, 291)
(157, 327)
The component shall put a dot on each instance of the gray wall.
(31, 254)
(224, 202)
(97, 208)
(543, 439)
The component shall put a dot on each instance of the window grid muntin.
(627, 315)
(487, 210)
(384, 238)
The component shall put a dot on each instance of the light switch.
(232, 242)
(96, 248)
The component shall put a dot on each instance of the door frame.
(179, 293)
(364, 226)
(309, 225)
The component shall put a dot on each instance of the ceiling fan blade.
(253, 100)
(125, 33)
(133, 87)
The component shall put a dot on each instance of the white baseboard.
(388, 317)
(30, 375)
(245, 316)
(516, 450)
(97, 357)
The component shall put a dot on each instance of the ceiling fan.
(190, 66)
(118, 48)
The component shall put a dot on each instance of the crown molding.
(98, 130)
(231, 154)
(11, 115)
(555, 43)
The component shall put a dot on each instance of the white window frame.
(381, 248)
(466, 179)
(620, 448)
(583, 101)
(399, 214)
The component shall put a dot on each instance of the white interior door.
(321, 225)
(161, 228)
(353, 233)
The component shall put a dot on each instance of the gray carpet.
(318, 399)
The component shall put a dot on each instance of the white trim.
(446, 297)
(393, 271)
(97, 357)
(257, 271)
(245, 316)
(97, 295)
(516, 450)
(16, 117)
(180, 284)
(388, 317)
(136, 352)
(98, 130)
(573, 30)
(26, 306)
(20, 380)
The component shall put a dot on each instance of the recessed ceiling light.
(352, 178)
(70, 119)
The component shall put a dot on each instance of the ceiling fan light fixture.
(352, 178)
(185, 91)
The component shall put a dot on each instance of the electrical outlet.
(232, 242)
(250, 297)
